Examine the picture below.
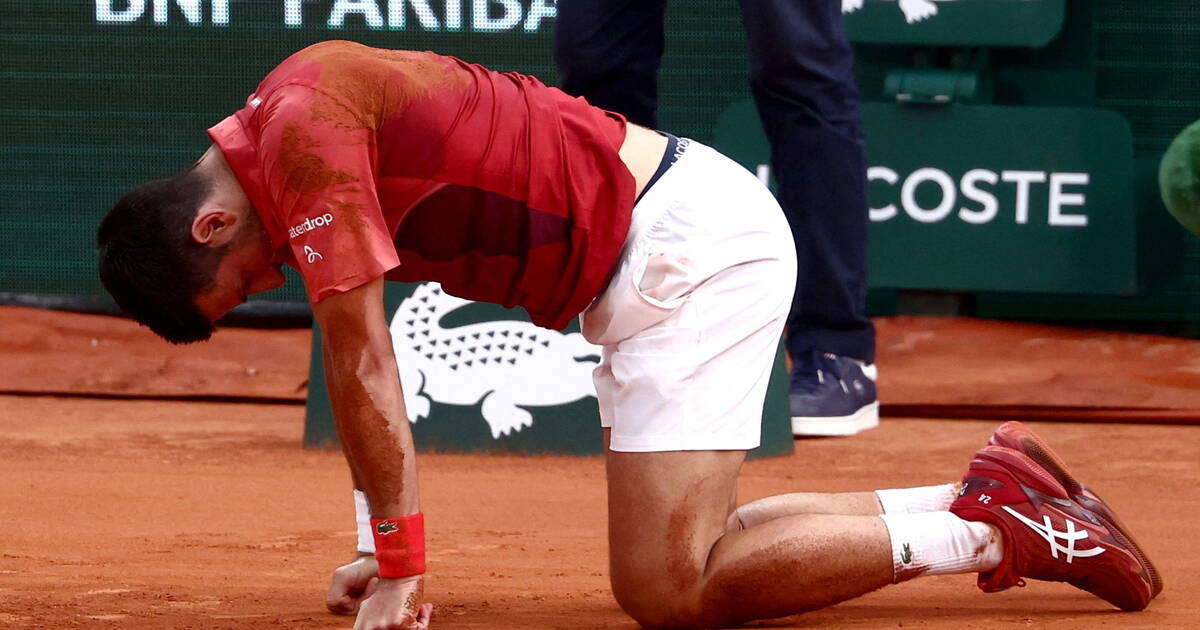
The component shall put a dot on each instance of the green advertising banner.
(102, 95)
(481, 378)
(988, 198)
(1024, 23)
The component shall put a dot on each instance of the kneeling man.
(357, 165)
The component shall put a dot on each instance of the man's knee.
(654, 602)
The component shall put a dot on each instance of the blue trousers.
(609, 51)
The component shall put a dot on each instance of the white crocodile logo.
(507, 364)
(914, 10)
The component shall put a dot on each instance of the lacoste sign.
(1030, 23)
(913, 10)
(977, 196)
(505, 365)
(480, 378)
(982, 198)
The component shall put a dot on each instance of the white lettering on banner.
(293, 13)
(979, 186)
(510, 15)
(539, 9)
(367, 8)
(1023, 179)
(105, 14)
(987, 201)
(192, 11)
(453, 15)
(1058, 199)
(908, 195)
(220, 12)
(486, 16)
(891, 177)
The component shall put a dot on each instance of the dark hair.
(149, 262)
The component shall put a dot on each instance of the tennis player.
(357, 165)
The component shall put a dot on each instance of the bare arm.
(368, 406)
(368, 409)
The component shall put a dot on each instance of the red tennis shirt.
(364, 162)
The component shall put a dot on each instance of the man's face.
(247, 268)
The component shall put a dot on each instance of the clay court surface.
(120, 513)
(146, 514)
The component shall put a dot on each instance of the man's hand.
(350, 585)
(394, 605)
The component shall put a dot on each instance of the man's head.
(179, 253)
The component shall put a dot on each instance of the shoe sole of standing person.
(1048, 535)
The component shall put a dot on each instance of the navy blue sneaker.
(832, 395)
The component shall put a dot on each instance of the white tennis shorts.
(691, 321)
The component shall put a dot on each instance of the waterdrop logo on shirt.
(309, 224)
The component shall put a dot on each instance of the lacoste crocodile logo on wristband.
(383, 528)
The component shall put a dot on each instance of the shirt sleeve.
(319, 161)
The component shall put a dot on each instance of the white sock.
(917, 500)
(937, 543)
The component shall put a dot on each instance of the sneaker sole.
(1020, 438)
(831, 426)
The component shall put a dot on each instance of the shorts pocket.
(642, 295)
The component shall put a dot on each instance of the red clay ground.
(145, 514)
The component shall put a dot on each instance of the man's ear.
(213, 226)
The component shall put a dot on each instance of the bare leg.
(801, 503)
(910, 500)
(675, 564)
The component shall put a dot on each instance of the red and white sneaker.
(1047, 535)
(1019, 437)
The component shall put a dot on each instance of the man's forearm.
(368, 408)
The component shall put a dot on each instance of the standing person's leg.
(608, 52)
(801, 76)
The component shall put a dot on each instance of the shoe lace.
(813, 369)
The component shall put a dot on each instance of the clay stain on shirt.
(305, 171)
(379, 83)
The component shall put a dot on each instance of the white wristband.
(362, 517)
